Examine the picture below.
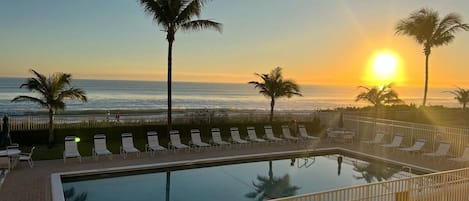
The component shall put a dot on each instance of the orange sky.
(316, 42)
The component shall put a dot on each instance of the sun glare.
(384, 68)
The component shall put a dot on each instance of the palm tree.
(372, 172)
(273, 86)
(173, 15)
(52, 91)
(462, 95)
(428, 30)
(69, 195)
(379, 96)
(272, 187)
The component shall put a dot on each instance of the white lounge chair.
(216, 137)
(396, 142)
(376, 140)
(441, 151)
(269, 134)
(175, 141)
(304, 133)
(100, 147)
(28, 157)
(417, 147)
(153, 143)
(196, 141)
(128, 145)
(235, 137)
(286, 133)
(252, 135)
(71, 148)
(463, 158)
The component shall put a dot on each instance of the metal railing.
(366, 128)
(448, 186)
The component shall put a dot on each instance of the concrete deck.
(33, 184)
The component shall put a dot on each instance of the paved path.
(33, 184)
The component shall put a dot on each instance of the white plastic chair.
(128, 145)
(269, 134)
(418, 146)
(376, 140)
(175, 141)
(71, 149)
(235, 137)
(287, 135)
(304, 133)
(153, 143)
(441, 151)
(196, 141)
(463, 158)
(100, 147)
(396, 142)
(27, 157)
(252, 135)
(216, 137)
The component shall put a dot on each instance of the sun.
(384, 68)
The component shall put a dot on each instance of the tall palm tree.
(273, 86)
(379, 96)
(461, 95)
(52, 92)
(426, 27)
(173, 15)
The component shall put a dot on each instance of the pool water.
(237, 182)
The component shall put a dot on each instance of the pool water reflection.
(237, 182)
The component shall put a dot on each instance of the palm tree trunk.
(170, 57)
(168, 185)
(271, 173)
(376, 119)
(51, 128)
(272, 105)
(426, 80)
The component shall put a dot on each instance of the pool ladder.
(307, 162)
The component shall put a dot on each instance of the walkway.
(33, 184)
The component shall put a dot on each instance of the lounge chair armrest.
(147, 147)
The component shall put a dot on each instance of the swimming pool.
(237, 182)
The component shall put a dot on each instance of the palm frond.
(192, 9)
(29, 99)
(73, 93)
(197, 25)
(157, 12)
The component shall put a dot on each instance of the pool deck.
(33, 184)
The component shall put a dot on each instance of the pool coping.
(56, 178)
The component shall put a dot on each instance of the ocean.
(146, 95)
